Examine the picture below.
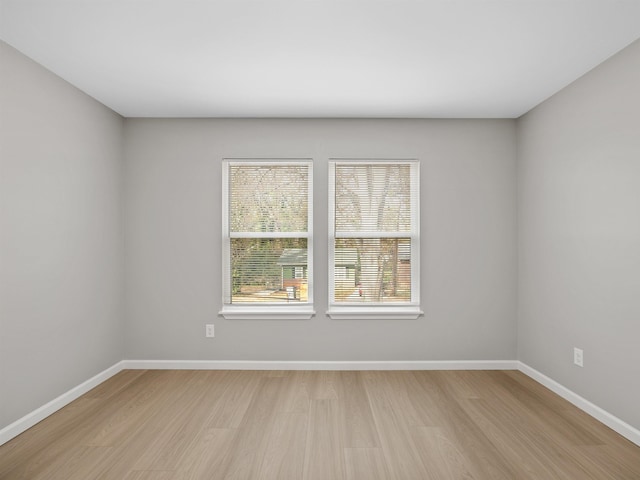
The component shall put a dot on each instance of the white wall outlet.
(578, 356)
(209, 332)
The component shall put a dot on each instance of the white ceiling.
(325, 58)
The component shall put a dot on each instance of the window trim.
(387, 311)
(275, 310)
(375, 312)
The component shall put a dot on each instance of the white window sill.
(267, 312)
(378, 312)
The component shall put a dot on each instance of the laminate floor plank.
(529, 435)
(137, 404)
(423, 398)
(73, 429)
(464, 384)
(114, 385)
(533, 457)
(209, 455)
(180, 418)
(620, 464)
(35, 449)
(321, 384)
(139, 441)
(74, 464)
(535, 389)
(122, 458)
(599, 430)
(396, 392)
(151, 475)
(365, 464)
(325, 425)
(297, 398)
(324, 456)
(442, 458)
(358, 426)
(450, 440)
(283, 458)
(236, 391)
(400, 452)
(532, 399)
(251, 442)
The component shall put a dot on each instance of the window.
(374, 244)
(268, 261)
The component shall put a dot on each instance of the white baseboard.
(29, 420)
(319, 365)
(583, 404)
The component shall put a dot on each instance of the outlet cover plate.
(578, 357)
(209, 331)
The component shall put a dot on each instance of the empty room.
(318, 240)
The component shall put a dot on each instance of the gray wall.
(579, 235)
(173, 246)
(60, 236)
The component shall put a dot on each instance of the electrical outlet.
(578, 357)
(209, 332)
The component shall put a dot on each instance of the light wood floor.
(169, 425)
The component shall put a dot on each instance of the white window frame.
(372, 311)
(264, 311)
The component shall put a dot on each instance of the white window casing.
(267, 238)
(374, 239)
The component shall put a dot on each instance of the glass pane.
(373, 197)
(268, 198)
(269, 270)
(372, 270)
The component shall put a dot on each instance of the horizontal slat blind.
(268, 198)
(268, 232)
(374, 270)
(373, 232)
(373, 197)
(262, 269)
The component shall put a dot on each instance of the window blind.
(268, 198)
(375, 232)
(267, 248)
